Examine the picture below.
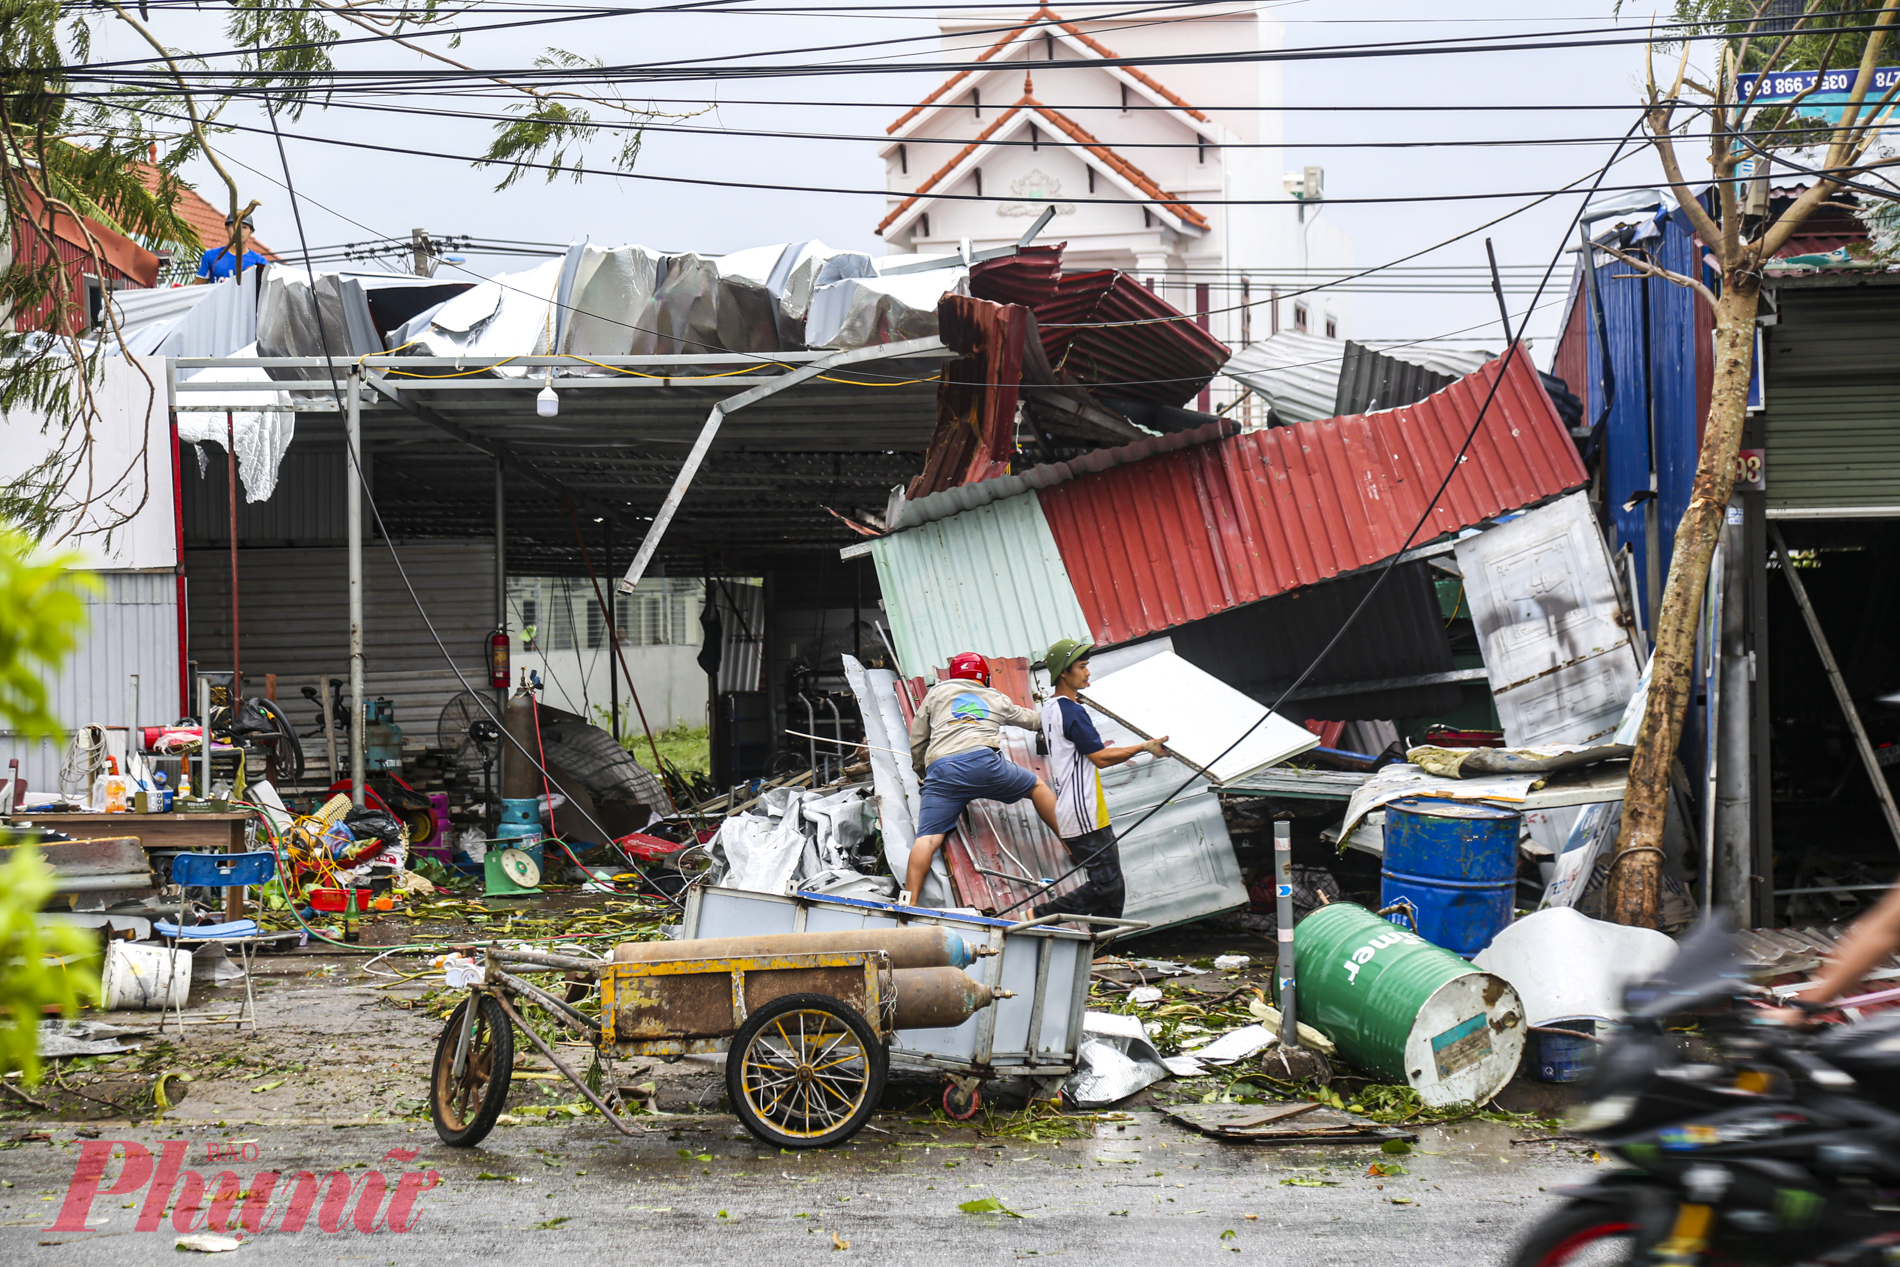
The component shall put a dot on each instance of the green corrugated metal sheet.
(1833, 399)
(940, 598)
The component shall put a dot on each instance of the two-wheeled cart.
(805, 1022)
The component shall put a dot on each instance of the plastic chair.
(219, 871)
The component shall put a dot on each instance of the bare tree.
(1739, 239)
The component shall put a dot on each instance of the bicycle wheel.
(464, 1109)
(805, 1071)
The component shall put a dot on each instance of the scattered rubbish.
(1309, 1037)
(207, 1243)
(1287, 1122)
(1166, 967)
(1399, 1006)
(1566, 966)
(1465, 763)
(85, 1038)
(1403, 780)
(1249, 1040)
(1184, 1066)
(1231, 963)
(1115, 1060)
(1145, 995)
(795, 835)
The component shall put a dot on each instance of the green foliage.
(40, 617)
(32, 978)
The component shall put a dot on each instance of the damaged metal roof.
(1176, 536)
(1187, 534)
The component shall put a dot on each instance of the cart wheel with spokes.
(805, 1071)
(465, 1108)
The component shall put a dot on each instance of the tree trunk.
(1635, 884)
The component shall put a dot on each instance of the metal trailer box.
(1034, 1034)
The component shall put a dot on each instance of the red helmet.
(968, 664)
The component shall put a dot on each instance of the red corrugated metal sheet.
(1187, 534)
(1165, 361)
(994, 842)
(976, 397)
(1029, 277)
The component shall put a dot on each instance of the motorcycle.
(1785, 1149)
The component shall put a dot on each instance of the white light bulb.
(546, 403)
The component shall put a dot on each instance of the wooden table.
(171, 833)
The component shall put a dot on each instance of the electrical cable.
(1390, 565)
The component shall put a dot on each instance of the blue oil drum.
(1456, 864)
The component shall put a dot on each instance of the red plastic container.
(336, 899)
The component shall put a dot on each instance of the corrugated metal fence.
(131, 627)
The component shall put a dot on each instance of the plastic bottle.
(115, 794)
(184, 782)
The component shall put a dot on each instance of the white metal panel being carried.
(131, 628)
(1544, 599)
(294, 615)
(989, 580)
(1209, 724)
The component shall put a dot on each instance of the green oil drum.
(1398, 1006)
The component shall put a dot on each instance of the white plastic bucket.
(140, 978)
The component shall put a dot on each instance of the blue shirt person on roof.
(219, 263)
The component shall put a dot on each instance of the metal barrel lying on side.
(1399, 1006)
(919, 947)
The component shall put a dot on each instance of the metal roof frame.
(830, 429)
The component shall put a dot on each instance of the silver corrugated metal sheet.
(131, 627)
(989, 580)
(295, 622)
(741, 611)
(1298, 374)
(908, 514)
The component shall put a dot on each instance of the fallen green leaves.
(1301, 1181)
(989, 1205)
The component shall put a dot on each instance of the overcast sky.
(351, 195)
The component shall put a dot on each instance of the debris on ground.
(1284, 1122)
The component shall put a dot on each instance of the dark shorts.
(953, 782)
(1104, 893)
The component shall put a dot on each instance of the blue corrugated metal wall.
(1672, 377)
(1652, 424)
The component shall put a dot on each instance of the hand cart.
(1037, 970)
(806, 1037)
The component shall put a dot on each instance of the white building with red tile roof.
(1151, 168)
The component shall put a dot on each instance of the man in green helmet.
(1077, 755)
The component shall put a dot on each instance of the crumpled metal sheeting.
(594, 759)
(797, 835)
(297, 318)
(1114, 1060)
(210, 320)
(611, 291)
(512, 314)
(858, 312)
(892, 778)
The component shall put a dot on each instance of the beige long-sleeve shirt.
(958, 715)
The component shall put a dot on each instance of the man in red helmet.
(955, 742)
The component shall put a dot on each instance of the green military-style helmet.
(1063, 653)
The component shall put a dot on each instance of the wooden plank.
(112, 855)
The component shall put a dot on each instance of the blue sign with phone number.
(1783, 84)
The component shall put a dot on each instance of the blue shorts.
(953, 782)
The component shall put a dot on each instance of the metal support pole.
(501, 567)
(231, 480)
(1733, 811)
(204, 738)
(353, 438)
(1861, 744)
(1283, 914)
(613, 628)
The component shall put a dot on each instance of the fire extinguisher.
(498, 660)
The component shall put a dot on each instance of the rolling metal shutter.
(1833, 401)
